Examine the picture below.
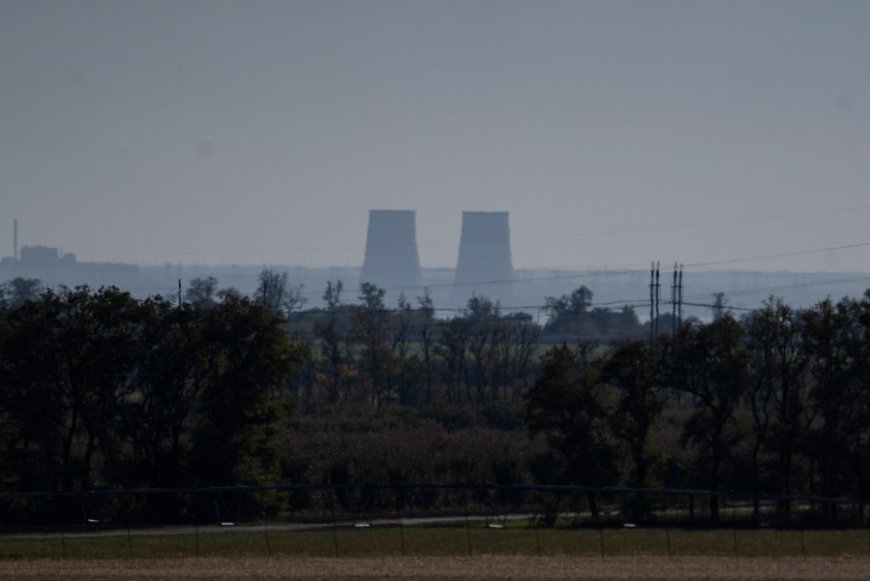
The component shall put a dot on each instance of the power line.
(632, 271)
(609, 232)
(780, 255)
(759, 290)
(685, 225)
(726, 307)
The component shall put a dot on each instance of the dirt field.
(477, 568)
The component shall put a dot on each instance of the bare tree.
(274, 292)
(452, 347)
(370, 329)
(201, 291)
(426, 316)
(329, 329)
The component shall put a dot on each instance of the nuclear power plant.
(484, 264)
(392, 262)
(484, 249)
(391, 258)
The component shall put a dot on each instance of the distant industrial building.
(391, 258)
(36, 256)
(484, 251)
(484, 268)
(53, 267)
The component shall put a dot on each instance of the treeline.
(408, 355)
(777, 403)
(98, 389)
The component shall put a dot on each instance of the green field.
(438, 541)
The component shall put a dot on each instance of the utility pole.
(674, 303)
(179, 292)
(652, 299)
(680, 297)
(658, 294)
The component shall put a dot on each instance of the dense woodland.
(98, 389)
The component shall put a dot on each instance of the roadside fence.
(339, 520)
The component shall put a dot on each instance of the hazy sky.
(262, 132)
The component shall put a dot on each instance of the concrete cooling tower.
(484, 251)
(391, 258)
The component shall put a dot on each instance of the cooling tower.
(391, 250)
(484, 249)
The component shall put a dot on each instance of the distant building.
(44, 256)
(391, 258)
(484, 253)
(53, 268)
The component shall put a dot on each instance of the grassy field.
(432, 541)
(483, 568)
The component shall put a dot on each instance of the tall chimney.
(391, 258)
(15, 239)
(484, 250)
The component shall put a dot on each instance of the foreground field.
(435, 541)
(432, 568)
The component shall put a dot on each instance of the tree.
(426, 317)
(34, 412)
(827, 333)
(228, 293)
(400, 345)
(20, 290)
(370, 329)
(710, 364)
(788, 396)
(482, 309)
(274, 292)
(330, 329)
(633, 369)
(719, 306)
(520, 339)
(766, 329)
(68, 364)
(858, 420)
(244, 403)
(570, 317)
(565, 406)
(201, 291)
(110, 341)
(174, 369)
(452, 347)
(569, 305)
(580, 299)
(483, 316)
(332, 294)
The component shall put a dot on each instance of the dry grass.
(384, 542)
(425, 568)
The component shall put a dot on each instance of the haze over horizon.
(613, 132)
